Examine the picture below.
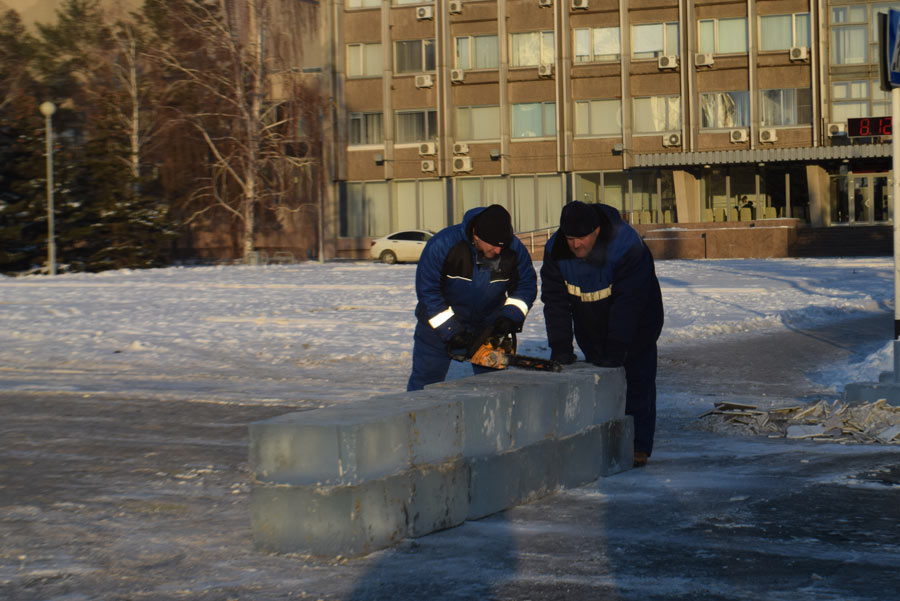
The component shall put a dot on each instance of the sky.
(318, 334)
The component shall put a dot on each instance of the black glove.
(565, 357)
(505, 326)
(461, 340)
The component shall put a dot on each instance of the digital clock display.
(869, 126)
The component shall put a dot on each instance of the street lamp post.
(47, 109)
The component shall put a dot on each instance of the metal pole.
(895, 195)
(47, 109)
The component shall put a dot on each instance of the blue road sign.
(893, 47)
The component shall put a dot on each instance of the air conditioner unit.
(427, 149)
(462, 164)
(545, 70)
(737, 135)
(837, 129)
(668, 62)
(579, 4)
(425, 12)
(767, 135)
(457, 75)
(454, 7)
(703, 60)
(671, 140)
(424, 81)
(428, 165)
(460, 148)
(799, 53)
(545, 3)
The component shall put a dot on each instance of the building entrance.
(867, 200)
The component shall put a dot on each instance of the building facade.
(675, 112)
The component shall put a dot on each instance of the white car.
(400, 246)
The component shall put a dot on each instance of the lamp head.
(47, 108)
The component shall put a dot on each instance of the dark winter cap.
(578, 219)
(494, 226)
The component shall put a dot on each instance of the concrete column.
(687, 196)
(819, 205)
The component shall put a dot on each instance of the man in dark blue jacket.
(471, 276)
(599, 275)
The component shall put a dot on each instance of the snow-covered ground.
(341, 331)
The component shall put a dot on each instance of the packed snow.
(326, 333)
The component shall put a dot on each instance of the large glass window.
(477, 52)
(474, 192)
(849, 45)
(531, 49)
(414, 56)
(597, 45)
(723, 36)
(365, 210)
(364, 60)
(416, 126)
(781, 32)
(657, 114)
(654, 39)
(598, 117)
(478, 123)
(366, 128)
(849, 99)
(534, 120)
(363, 3)
(719, 110)
(786, 107)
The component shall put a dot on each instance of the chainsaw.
(499, 352)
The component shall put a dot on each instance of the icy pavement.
(126, 396)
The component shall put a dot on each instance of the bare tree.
(227, 72)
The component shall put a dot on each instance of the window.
(597, 45)
(416, 126)
(364, 60)
(849, 99)
(478, 123)
(881, 101)
(399, 2)
(531, 49)
(723, 36)
(848, 14)
(849, 43)
(414, 56)
(366, 128)
(720, 110)
(598, 117)
(786, 107)
(654, 39)
(477, 52)
(365, 210)
(782, 32)
(363, 3)
(534, 120)
(657, 114)
(479, 192)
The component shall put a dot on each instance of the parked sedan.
(400, 246)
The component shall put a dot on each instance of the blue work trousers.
(430, 361)
(640, 395)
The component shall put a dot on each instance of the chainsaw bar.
(534, 363)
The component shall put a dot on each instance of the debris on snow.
(875, 422)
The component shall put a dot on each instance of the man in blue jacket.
(599, 276)
(471, 276)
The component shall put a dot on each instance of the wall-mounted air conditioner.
(424, 12)
(460, 148)
(545, 70)
(427, 149)
(545, 3)
(424, 81)
(454, 7)
(671, 140)
(427, 165)
(667, 62)
(799, 53)
(837, 129)
(579, 4)
(767, 135)
(704, 59)
(457, 75)
(737, 135)
(462, 164)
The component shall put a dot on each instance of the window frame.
(361, 46)
(794, 42)
(471, 43)
(796, 107)
(362, 115)
(545, 131)
(424, 44)
(468, 137)
(716, 36)
(666, 25)
(430, 115)
(595, 58)
(542, 46)
(719, 94)
(669, 127)
(591, 133)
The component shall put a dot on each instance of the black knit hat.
(578, 219)
(494, 226)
